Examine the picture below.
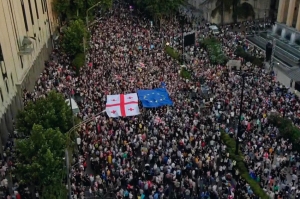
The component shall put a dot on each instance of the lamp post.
(67, 152)
(131, 42)
(239, 133)
(87, 13)
(68, 173)
(131, 27)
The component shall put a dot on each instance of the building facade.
(261, 9)
(289, 13)
(26, 39)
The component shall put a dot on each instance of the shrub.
(287, 130)
(78, 62)
(172, 53)
(257, 62)
(214, 48)
(240, 52)
(184, 73)
(240, 164)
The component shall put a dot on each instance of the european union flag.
(154, 98)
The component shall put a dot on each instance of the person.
(172, 151)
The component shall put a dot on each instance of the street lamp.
(68, 173)
(71, 95)
(78, 143)
(243, 75)
(87, 12)
(131, 42)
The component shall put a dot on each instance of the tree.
(73, 37)
(50, 112)
(61, 7)
(222, 6)
(160, 9)
(78, 62)
(40, 163)
(104, 4)
(238, 10)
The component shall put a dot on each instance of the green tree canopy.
(104, 4)
(73, 37)
(40, 161)
(160, 8)
(61, 6)
(78, 8)
(50, 112)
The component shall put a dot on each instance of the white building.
(26, 32)
(261, 8)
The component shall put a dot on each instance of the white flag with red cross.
(122, 105)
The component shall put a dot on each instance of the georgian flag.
(122, 105)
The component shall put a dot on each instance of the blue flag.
(154, 98)
(163, 85)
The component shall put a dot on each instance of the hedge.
(240, 52)
(214, 48)
(184, 73)
(287, 130)
(240, 164)
(78, 62)
(172, 53)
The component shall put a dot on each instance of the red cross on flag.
(122, 105)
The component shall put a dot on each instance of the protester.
(171, 152)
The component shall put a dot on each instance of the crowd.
(172, 152)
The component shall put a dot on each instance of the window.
(6, 85)
(24, 15)
(30, 9)
(12, 79)
(36, 9)
(1, 54)
(21, 62)
(4, 75)
(43, 9)
(1, 95)
(13, 20)
(45, 6)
